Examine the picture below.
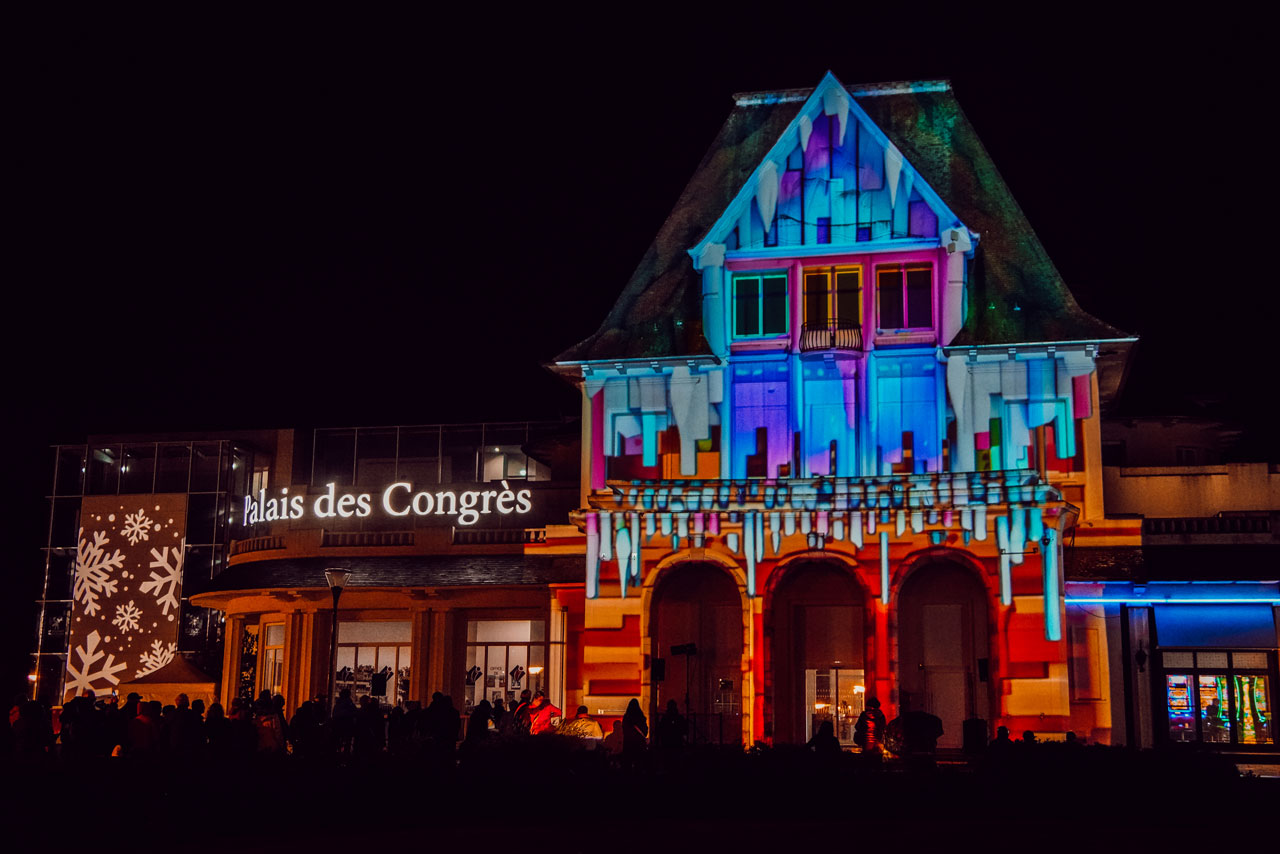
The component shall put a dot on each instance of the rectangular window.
(374, 660)
(273, 658)
(759, 305)
(504, 658)
(905, 296)
(832, 294)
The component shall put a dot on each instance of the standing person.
(868, 732)
(344, 721)
(541, 713)
(672, 729)
(635, 733)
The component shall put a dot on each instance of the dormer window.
(759, 305)
(904, 296)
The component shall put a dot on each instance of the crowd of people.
(89, 726)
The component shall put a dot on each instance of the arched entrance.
(818, 652)
(697, 637)
(944, 647)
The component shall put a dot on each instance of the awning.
(1236, 626)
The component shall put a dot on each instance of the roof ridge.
(862, 90)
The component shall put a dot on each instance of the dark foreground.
(544, 795)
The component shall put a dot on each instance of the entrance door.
(815, 622)
(942, 640)
(698, 635)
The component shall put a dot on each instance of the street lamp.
(337, 578)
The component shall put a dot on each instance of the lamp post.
(337, 578)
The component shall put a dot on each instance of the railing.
(498, 536)
(256, 544)
(832, 335)
(354, 539)
(1209, 525)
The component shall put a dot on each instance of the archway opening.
(944, 647)
(818, 619)
(697, 651)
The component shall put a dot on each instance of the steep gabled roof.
(1015, 292)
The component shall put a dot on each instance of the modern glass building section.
(213, 474)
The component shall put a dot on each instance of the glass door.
(837, 696)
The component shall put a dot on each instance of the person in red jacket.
(541, 713)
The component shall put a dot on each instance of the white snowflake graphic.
(93, 571)
(137, 527)
(83, 677)
(171, 577)
(127, 617)
(159, 656)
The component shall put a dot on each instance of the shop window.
(272, 658)
(1218, 697)
(375, 660)
(503, 659)
(904, 294)
(248, 677)
(759, 305)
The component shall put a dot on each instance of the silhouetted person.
(614, 743)
(145, 734)
(477, 728)
(920, 734)
(671, 730)
(635, 734)
(370, 731)
(32, 731)
(344, 721)
(499, 712)
(868, 732)
(1029, 737)
(242, 730)
(217, 730)
(185, 736)
(824, 741)
(1001, 744)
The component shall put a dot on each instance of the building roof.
(1015, 295)
(426, 571)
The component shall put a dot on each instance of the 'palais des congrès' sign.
(398, 499)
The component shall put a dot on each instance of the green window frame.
(760, 305)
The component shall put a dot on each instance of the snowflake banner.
(127, 590)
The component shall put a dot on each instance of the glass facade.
(214, 474)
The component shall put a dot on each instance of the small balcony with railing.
(831, 336)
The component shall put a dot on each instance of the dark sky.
(246, 223)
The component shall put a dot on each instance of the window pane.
(889, 293)
(104, 470)
(1253, 710)
(746, 306)
(335, 457)
(375, 457)
(920, 298)
(1182, 726)
(815, 299)
(775, 305)
(275, 634)
(61, 569)
(201, 516)
(419, 455)
(848, 296)
(71, 465)
(1249, 660)
(375, 631)
(1214, 723)
(461, 454)
(66, 523)
(171, 468)
(138, 472)
(204, 467)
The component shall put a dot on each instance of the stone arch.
(699, 600)
(817, 629)
(944, 635)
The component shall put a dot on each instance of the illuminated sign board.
(398, 499)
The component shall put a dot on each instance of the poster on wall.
(126, 590)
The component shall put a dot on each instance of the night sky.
(252, 223)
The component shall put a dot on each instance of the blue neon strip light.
(1133, 600)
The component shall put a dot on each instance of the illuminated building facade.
(836, 431)
(840, 438)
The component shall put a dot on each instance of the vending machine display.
(1182, 723)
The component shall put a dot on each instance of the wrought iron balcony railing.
(832, 335)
